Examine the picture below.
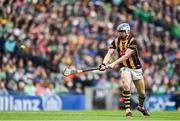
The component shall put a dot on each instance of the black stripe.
(128, 63)
(123, 42)
(135, 60)
(135, 51)
(126, 92)
(118, 48)
(114, 45)
(129, 39)
(126, 96)
(138, 64)
(121, 65)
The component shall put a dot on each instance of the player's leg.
(139, 84)
(125, 83)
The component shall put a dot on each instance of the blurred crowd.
(58, 33)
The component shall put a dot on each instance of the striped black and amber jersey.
(121, 45)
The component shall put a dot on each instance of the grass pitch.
(96, 115)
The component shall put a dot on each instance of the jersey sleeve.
(112, 45)
(132, 44)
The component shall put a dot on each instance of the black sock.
(141, 101)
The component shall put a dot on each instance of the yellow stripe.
(127, 105)
(120, 45)
(127, 94)
(121, 49)
(127, 98)
(126, 48)
(125, 64)
(126, 44)
(132, 62)
(116, 42)
(126, 101)
(131, 39)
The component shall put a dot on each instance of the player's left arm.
(121, 59)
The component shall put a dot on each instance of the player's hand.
(111, 66)
(102, 67)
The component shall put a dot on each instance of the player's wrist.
(102, 67)
(104, 64)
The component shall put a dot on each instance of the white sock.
(128, 110)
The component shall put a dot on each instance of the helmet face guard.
(122, 34)
(123, 30)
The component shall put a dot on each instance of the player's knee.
(126, 86)
(124, 75)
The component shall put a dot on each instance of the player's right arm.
(108, 56)
(102, 67)
(106, 59)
